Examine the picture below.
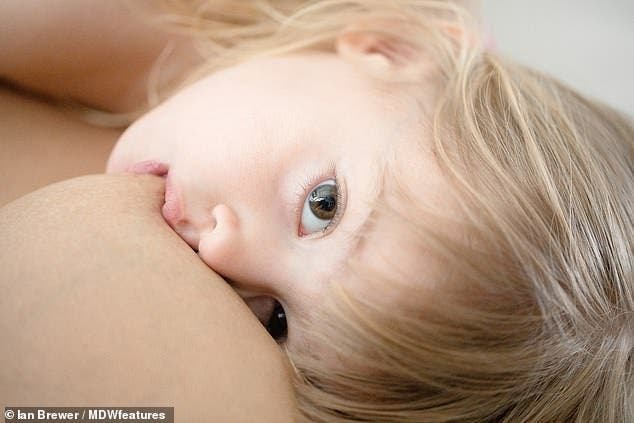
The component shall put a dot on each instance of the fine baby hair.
(529, 314)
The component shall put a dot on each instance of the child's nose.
(219, 244)
(234, 249)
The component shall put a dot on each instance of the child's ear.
(381, 54)
(395, 58)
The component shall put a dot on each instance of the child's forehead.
(298, 72)
(302, 89)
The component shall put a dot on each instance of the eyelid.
(307, 186)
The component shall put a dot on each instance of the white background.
(589, 44)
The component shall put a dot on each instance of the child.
(433, 233)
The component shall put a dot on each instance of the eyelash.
(308, 185)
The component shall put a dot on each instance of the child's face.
(272, 167)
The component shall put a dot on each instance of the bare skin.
(41, 144)
(89, 315)
(99, 53)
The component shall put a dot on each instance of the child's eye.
(320, 208)
(276, 326)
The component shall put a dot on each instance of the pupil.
(323, 201)
(276, 325)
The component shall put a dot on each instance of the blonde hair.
(535, 320)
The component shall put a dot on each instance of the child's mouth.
(173, 207)
(172, 210)
(149, 167)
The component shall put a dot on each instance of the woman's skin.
(103, 304)
(98, 53)
(41, 144)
